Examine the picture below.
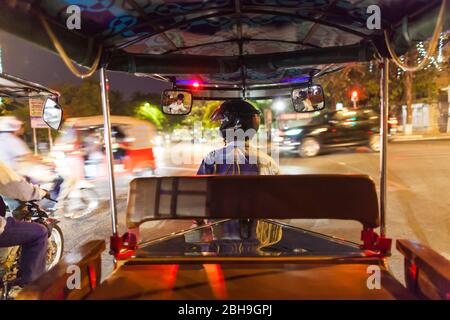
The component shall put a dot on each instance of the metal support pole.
(108, 147)
(50, 139)
(384, 94)
(35, 141)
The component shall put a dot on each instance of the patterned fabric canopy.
(228, 28)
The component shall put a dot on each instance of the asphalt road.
(418, 194)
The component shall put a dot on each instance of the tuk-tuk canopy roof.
(15, 88)
(241, 42)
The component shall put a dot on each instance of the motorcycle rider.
(239, 123)
(19, 158)
(32, 237)
(17, 149)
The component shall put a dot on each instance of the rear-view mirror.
(176, 102)
(308, 99)
(52, 114)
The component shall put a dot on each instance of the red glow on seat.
(169, 278)
(92, 276)
(216, 279)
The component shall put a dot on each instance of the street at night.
(211, 152)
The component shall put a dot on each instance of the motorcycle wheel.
(309, 147)
(81, 206)
(55, 247)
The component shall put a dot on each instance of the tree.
(80, 100)
(85, 100)
(404, 87)
(408, 81)
(152, 113)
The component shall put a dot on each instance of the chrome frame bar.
(384, 95)
(108, 147)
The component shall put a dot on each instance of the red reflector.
(413, 270)
(92, 276)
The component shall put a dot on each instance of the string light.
(433, 61)
(440, 57)
(400, 70)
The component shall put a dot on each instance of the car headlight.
(293, 132)
(319, 130)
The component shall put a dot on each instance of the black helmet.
(180, 97)
(302, 95)
(236, 114)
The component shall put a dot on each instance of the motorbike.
(9, 257)
(76, 198)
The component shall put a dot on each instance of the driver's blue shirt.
(238, 159)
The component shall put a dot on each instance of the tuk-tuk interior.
(239, 50)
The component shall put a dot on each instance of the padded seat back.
(346, 197)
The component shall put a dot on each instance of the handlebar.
(34, 202)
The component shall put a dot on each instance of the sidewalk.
(419, 137)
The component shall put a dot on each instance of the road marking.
(390, 183)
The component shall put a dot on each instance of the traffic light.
(355, 98)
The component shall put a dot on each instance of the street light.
(279, 106)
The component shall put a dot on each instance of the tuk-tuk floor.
(238, 281)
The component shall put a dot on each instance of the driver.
(31, 236)
(304, 99)
(178, 105)
(239, 123)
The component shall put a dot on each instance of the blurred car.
(332, 130)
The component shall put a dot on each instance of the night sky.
(30, 62)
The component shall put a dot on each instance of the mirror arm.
(311, 76)
(174, 82)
